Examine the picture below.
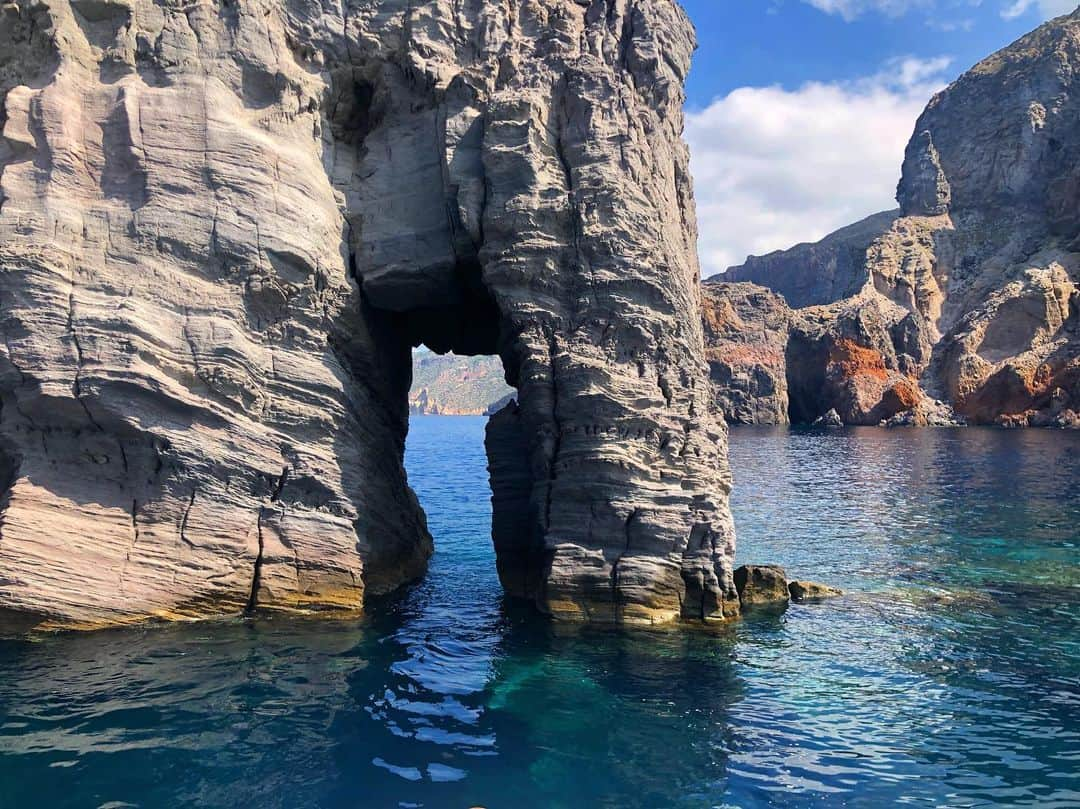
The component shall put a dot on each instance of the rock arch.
(225, 224)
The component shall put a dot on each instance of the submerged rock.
(811, 591)
(964, 305)
(768, 586)
(927, 413)
(224, 227)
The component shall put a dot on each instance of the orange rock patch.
(902, 396)
(720, 317)
(1014, 393)
(746, 355)
(848, 359)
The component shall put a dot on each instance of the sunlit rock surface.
(965, 300)
(761, 585)
(812, 591)
(223, 228)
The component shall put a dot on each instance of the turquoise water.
(949, 676)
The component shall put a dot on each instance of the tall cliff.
(969, 294)
(224, 226)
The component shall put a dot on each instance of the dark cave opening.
(357, 102)
(467, 322)
(429, 292)
(805, 379)
(459, 318)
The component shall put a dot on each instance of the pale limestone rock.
(223, 226)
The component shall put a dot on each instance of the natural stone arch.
(234, 220)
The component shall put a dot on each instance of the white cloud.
(1045, 8)
(775, 167)
(850, 9)
(949, 26)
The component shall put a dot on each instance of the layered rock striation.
(966, 299)
(222, 229)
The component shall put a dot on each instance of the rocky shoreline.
(449, 385)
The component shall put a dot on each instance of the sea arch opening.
(448, 464)
(461, 362)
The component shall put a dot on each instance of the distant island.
(449, 385)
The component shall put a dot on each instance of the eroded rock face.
(1014, 359)
(223, 226)
(746, 334)
(761, 585)
(968, 299)
(859, 357)
(819, 273)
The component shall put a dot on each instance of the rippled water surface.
(948, 676)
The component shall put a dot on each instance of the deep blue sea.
(948, 676)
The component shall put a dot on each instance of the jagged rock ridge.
(223, 228)
(967, 298)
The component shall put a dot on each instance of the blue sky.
(798, 110)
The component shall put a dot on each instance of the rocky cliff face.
(819, 273)
(968, 298)
(746, 333)
(223, 227)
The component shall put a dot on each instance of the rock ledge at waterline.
(223, 228)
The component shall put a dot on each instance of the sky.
(798, 111)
